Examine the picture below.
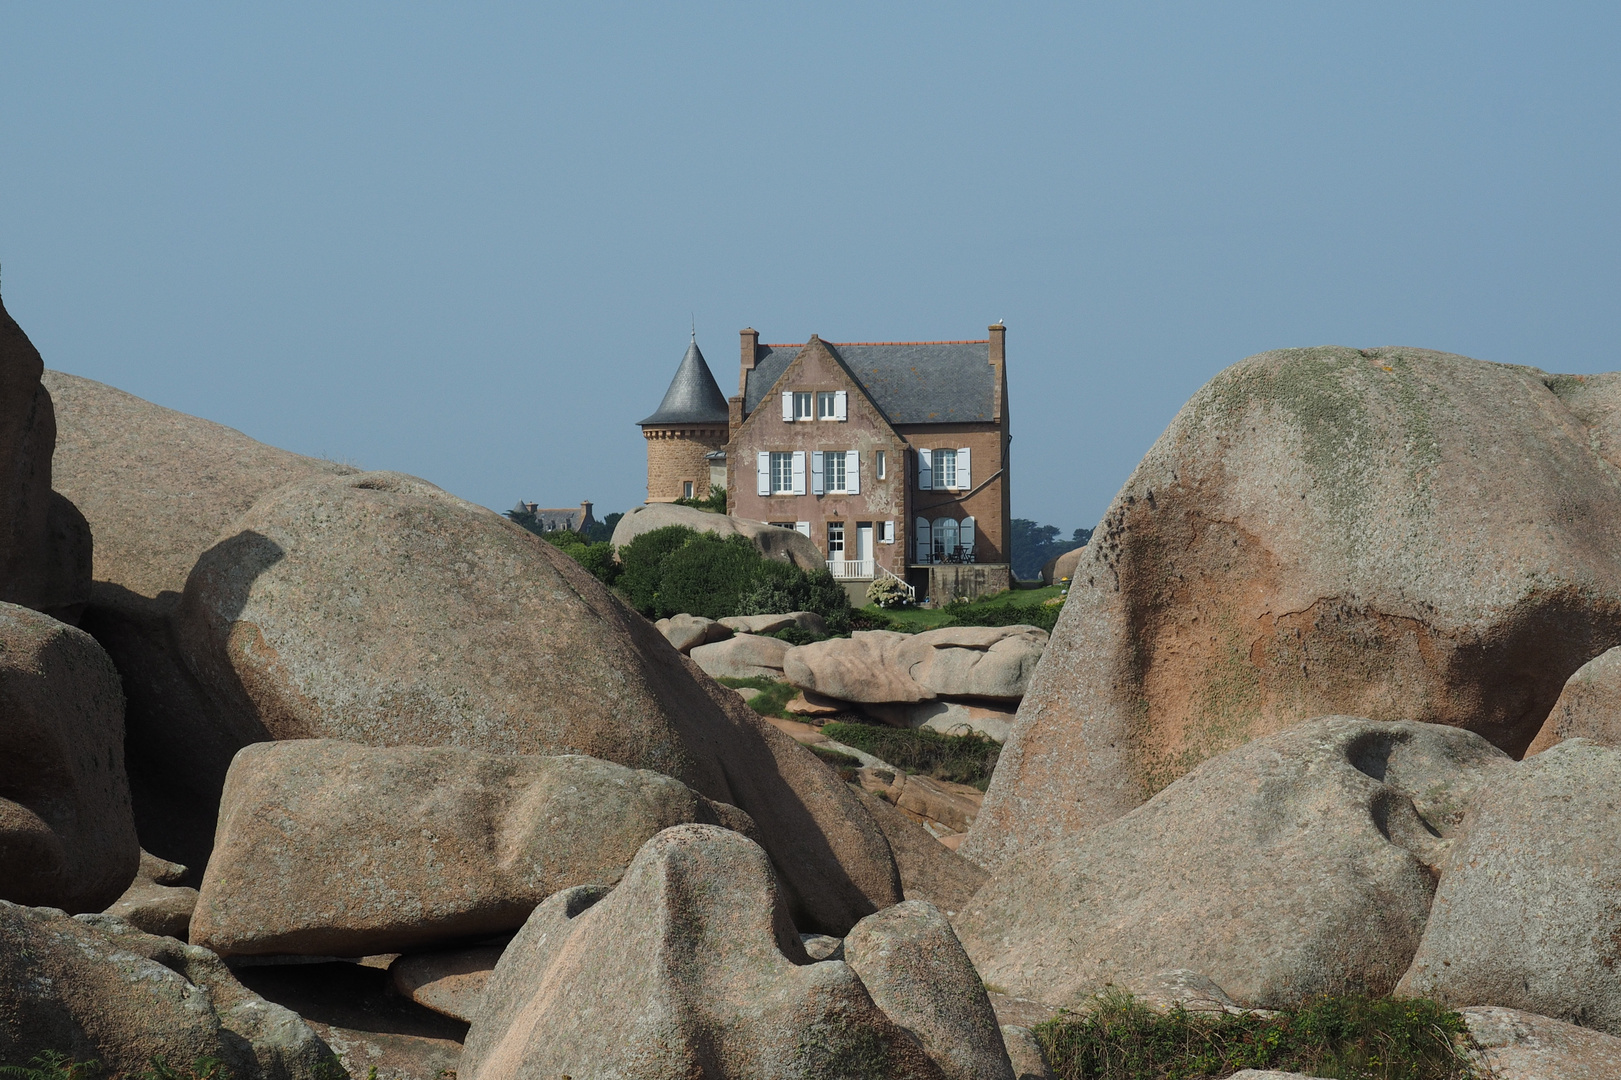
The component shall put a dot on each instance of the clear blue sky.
(464, 241)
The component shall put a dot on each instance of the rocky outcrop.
(379, 609)
(808, 621)
(1391, 533)
(1589, 707)
(732, 986)
(334, 849)
(450, 981)
(1061, 567)
(746, 656)
(929, 870)
(67, 838)
(992, 719)
(687, 632)
(156, 902)
(1516, 1045)
(45, 549)
(159, 488)
(96, 988)
(1526, 916)
(911, 963)
(785, 545)
(1301, 863)
(884, 667)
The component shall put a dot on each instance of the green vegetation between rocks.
(675, 569)
(715, 503)
(1007, 608)
(1344, 1038)
(772, 697)
(962, 759)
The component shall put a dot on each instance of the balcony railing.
(857, 569)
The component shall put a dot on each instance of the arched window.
(945, 537)
(924, 551)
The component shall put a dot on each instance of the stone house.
(550, 519)
(892, 456)
(686, 437)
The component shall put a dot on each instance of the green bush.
(798, 635)
(962, 613)
(715, 503)
(888, 592)
(707, 576)
(962, 759)
(1345, 1038)
(772, 697)
(676, 569)
(641, 565)
(597, 558)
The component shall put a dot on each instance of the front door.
(864, 545)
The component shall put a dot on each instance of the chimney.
(750, 350)
(998, 358)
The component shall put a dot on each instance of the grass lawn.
(918, 619)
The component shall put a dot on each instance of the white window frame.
(804, 405)
(841, 549)
(782, 472)
(825, 407)
(878, 465)
(945, 468)
(689, 489)
(834, 472)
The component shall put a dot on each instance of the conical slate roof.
(693, 396)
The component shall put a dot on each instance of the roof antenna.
(694, 329)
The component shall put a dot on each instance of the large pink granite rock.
(1391, 533)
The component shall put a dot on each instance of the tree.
(1034, 545)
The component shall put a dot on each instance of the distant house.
(548, 519)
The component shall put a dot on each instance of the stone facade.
(927, 402)
(676, 463)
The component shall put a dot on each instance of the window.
(686, 489)
(802, 404)
(824, 405)
(835, 540)
(833, 462)
(945, 468)
(878, 464)
(886, 532)
(781, 524)
(782, 472)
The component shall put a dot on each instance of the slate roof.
(693, 396)
(924, 382)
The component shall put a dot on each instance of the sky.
(467, 241)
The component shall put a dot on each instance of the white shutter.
(818, 477)
(763, 472)
(925, 551)
(788, 405)
(802, 527)
(799, 472)
(840, 405)
(886, 533)
(925, 470)
(852, 472)
(963, 472)
(965, 533)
